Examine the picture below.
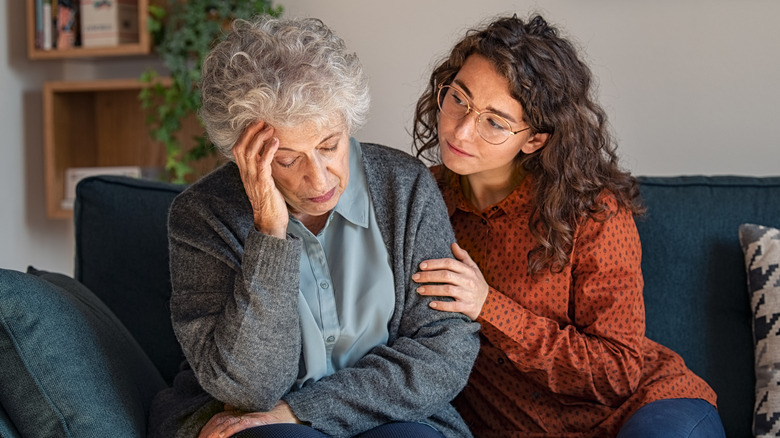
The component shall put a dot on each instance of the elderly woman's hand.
(458, 279)
(231, 421)
(254, 151)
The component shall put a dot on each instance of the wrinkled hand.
(254, 151)
(232, 421)
(460, 279)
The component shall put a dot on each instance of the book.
(67, 24)
(75, 174)
(39, 24)
(48, 26)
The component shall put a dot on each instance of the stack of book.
(65, 24)
(75, 174)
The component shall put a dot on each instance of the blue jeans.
(390, 430)
(673, 418)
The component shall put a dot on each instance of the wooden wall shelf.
(142, 47)
(98, 123)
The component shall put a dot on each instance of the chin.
(320, 209)
(454, 164)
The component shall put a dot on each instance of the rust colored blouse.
(562, 354)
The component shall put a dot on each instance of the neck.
(484, 190)
(315, 224)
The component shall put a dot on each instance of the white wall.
(26, 236)
(691, 87)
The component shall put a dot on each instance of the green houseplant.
(183, 32)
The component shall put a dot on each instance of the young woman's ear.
(536, 142)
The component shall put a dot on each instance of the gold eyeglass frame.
(469, 108)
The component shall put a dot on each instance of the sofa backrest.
(695, 285)
(696, 297)
(122, 257)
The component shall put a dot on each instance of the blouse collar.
(517, 203)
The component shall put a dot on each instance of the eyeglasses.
(493, 128)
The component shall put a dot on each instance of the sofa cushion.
(695, 287)
(761, 246)
(122, 256)
(7, 428)
(69, 367)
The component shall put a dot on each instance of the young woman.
(548, 256)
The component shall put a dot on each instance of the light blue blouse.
(347, 295)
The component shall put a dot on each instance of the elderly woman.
(291, 265)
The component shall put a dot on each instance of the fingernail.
(415, 277)
(423, 265)
(420, 289)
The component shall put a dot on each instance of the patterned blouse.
(563, 354)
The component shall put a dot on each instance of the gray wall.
(691, 87)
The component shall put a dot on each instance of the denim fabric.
(390, 430)
(402, 430)
(281, 431)
(674, 418)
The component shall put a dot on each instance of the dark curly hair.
(578, 163)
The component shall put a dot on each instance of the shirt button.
(331, 338)
(324, 285)
(536, 395)
(484, 222)
(500, 361)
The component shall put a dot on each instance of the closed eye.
(286, 163)
(458, 100)
(496, 123)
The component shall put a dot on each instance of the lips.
(457, 151)
(324, 198)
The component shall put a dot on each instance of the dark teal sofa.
(82, 356)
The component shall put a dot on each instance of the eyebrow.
(324, 140)
(491, 109)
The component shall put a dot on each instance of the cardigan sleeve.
(234, 303)
(430, 353)
(596, 353)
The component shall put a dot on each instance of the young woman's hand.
(460, 279)
(254, 151)
(232, 421)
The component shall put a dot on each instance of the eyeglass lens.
(491, 127)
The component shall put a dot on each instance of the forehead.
(309, 135)
(479, 75)
(486, 87)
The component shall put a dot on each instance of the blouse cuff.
(498, 309)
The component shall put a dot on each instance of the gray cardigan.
(234, 310)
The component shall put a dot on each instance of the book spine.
(38, 24)
(47, 25)
(66, 24)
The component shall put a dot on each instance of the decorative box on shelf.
(108, 22)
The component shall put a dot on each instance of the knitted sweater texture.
(235, 312)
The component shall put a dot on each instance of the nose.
(466, 127)
(317, 174)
